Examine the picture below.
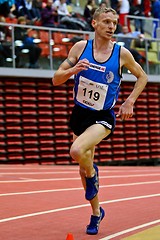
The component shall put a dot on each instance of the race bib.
(91, 94)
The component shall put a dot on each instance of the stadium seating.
(34, 119)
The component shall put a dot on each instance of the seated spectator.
(21, 34)
(5, 45)
(37, 8)
(12, 7)
(31, 14)
(4, 8)
(60, 7)
(24, 8)
(7, 7)
(20, 8)
(48, 16)
(126, 41)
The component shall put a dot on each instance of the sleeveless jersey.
(97, 88)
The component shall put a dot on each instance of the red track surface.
(42, 202)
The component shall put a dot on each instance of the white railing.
(50, 62)
(150, 23)
(51, 43)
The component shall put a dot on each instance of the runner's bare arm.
(127, 60)
(71, 65)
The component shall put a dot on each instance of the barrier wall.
(34, 119)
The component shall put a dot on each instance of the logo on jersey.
(97, 67)
(109, 76)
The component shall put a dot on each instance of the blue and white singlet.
(98, 87)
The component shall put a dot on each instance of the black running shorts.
(82, 118)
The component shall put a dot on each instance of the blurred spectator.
(31, 12)
(140, 8)
(60, 7)
(20, 8)
(48, 15)
(89, 10)
(26, 42)
(37, 8)
(12, 7)
(119, 28)
(70, 21)
(126, 39)
(7, 7)
(25, 8)
(156, 8)
(147, 8)
(155, 14)
(124, 10)
(115, 4)
(105, 3)
(5, 45)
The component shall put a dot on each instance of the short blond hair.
(101, 10)
(21, 19)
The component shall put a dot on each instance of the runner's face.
(105, 25)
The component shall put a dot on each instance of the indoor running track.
(46, 202)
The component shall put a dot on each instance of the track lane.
(123, 216)
(48, 225)
(52, 198)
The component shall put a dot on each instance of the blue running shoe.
(92, 228)
(92, 185)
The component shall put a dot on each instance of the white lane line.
(68, 171)
(75, 207)
(130, 230)
(104, 169)
(38, 173)
(50, 172)
(40, 180)
(37, 168)
(78, 178)
(74, 189)
(22, 178)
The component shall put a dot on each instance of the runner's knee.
(76, 152)
(79, 154)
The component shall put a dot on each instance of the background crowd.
(52, 12)
(61, 14)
